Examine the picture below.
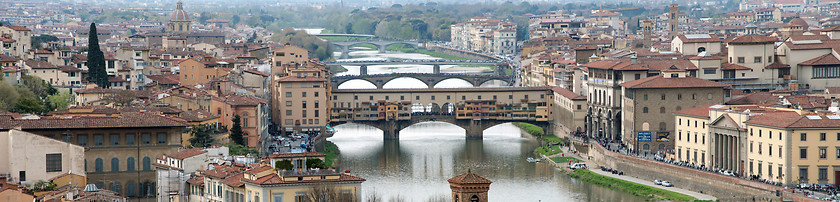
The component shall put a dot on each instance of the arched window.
(646, 147)
(147, 164)
(645, 110)
(142, 189)
(130, 189)
(645, 126)
(662, 126)
(129, 164)
(474, 198)
(97, 165)
(115, 187)
(679, 108)
(701, 49)
(115, 164)
(661, 110)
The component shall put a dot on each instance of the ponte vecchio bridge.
(473, 109)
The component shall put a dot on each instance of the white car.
(657, 182)
(667, 184)
(728, 173)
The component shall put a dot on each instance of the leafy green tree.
(37, 40)
(38, 86)
(283, 165)
(96, 60)
(315, 163)
(10, 96)
(238, 150)
(29, 105)
(203, 17)
(236, 131)
(252, 38)
(201, 135)
(41, 185)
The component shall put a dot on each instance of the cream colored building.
(300, 101)
(288, 56)
(485, 35)
(30, 157)
(569, 109)
(755, 52)
(22, 37)
(693, 44)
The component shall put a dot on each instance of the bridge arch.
(487, 83)
(357, 83)
(385, 83)
(453, 82)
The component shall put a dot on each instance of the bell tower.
(469, 187)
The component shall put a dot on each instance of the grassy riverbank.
(331, 150)
(337, 69)
(549, 144)
(651, 193)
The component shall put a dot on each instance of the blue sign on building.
(644, 136)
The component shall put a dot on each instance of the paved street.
(699, 196)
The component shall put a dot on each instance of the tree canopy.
(236, 131)
(96, 60)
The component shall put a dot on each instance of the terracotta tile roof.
(730, 66)
(275, 179)
(68, 68)
(827, 59)
(752, 39)
(38, 64)
(682, 82)
(198, 180)
(825, 44)
(604, 13)
(293, 155)
(808, 102)
(234, 180)
(17, 28)
(832, 28)
(699, 111)
(758, 98)
(115, 79)
(6, 58)
(258, 169)
(777, 65)
(238, 100)
(568, 94)
(257, 72)
(165, 79)
(183, 154)
(794, 121)
(808, 37)
(132, 120)
(11, 69)
(832, 90)
(223, 171)
(198, 115)
(162, 110)
(469, 178)
(97, 90)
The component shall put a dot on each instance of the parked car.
(728, 173)
(667, 184)
(657, 182)
(578, 166)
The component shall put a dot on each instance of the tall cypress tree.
(96, 60)
(236, 131)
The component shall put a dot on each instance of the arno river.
(416, 167)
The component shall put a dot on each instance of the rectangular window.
(802, 137)
(129, 139)
(803, 173)
(740, 59)
(826, 72)
(161, 138)
(822, 136)
(54, 162)
(303, 113)
(97, 140)
(147, 138)
(288, 94)
(316, 113)
(289, 103)
(662, 96)
(303, 104)
(757, 59)
(708, 71)
(303, 94)
(803, 152)
(823, 152)
(82, 140)
(115, 139)
(288, 112)
(823, 172)
(316, 94)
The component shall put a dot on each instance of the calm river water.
(416, 167)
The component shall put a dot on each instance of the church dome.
(799, 22)
(179, 14)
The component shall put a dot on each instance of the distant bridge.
(514, 104)
(347, 35)
(415, 62)
(345, 45)
(431, 79)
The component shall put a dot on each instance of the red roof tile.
(198, 180)
(730, 66)
(131, 120)
(17, 28)
(752, 39)
(39, 64)
(794, 121)
(165, 79)
(183, 154)
(469, 178)
(568, 94)
(235, 180)
(299, 79)
(682, 82)
(700, 111)
(293, 155)
(827, 59)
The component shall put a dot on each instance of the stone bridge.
(379, 80)
(345, 45)
(474, 128)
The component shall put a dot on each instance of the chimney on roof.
(634, 59)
